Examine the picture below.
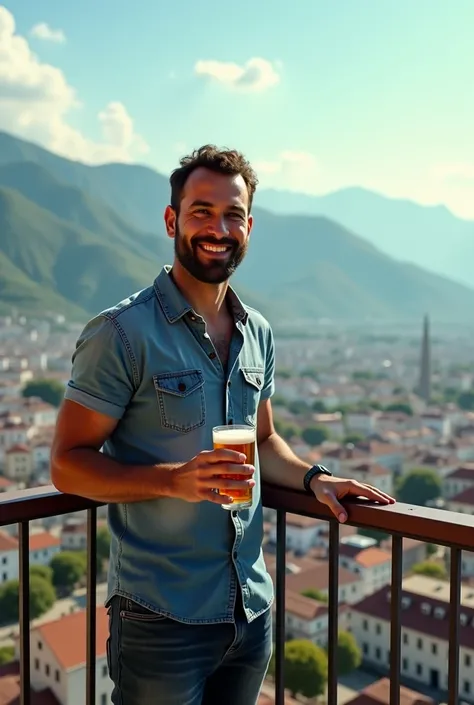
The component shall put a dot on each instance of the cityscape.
(394, 409)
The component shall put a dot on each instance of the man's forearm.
(89, 473)
(279, 465)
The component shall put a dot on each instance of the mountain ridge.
(71, 237)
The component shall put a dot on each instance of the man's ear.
(170, 218)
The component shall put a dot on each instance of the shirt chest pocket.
(181, 399)
(252, 387)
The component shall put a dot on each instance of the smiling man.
(189, 594)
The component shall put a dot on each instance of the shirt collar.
(175, 306)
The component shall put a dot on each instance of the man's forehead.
(212, 186)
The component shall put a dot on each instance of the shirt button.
(229, 383)
(212, 355)
(182, 387)
(230, 422)
(259, 381)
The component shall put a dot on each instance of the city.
(394, 409)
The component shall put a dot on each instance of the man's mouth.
(214, 249)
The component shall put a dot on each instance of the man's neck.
(208, 300)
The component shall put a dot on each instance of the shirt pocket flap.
(181, 384)
(253, 376)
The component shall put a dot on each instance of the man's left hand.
(329, 490)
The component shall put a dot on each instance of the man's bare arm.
(77, 466)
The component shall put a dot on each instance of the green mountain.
(76, 239)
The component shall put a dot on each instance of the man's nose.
(219, 227)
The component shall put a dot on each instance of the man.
(189, 596)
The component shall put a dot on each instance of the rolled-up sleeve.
(102, 373)
(268, 388)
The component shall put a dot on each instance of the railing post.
(280, 609)
(24, 609)
(333, 606)
(91, 609)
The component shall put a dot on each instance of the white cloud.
(293, 170)
(36, 102)
(254, 76)
(42, 30)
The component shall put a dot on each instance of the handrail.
(427, 524)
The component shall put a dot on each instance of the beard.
(217, 272)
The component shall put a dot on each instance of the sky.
(318, 95)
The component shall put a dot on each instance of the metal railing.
(434, 526)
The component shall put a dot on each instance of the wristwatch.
(312, 472)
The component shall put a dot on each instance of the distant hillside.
(429, 236)
(76, 239)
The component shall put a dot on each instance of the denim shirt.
(150, 363)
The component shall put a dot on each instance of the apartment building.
(425, 633)
(43, 547)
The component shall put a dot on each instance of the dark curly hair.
(222, 161)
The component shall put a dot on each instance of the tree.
(43, 571)
(103, 547)
(42, 598)
(314, 435)
(431, 569)
(400, 406)
(7, 654)
(419, 486)
(49, 390)
(286, 430)
(466, 401)
(431, 549)
(68, 568)
(314, 594)
(319, 406)
(349, 656)
(306, 668)
(353, 438)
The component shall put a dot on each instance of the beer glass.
(242, 439)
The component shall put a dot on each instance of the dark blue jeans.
(154, 660)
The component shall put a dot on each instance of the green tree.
(318, 406)
(314, 594)
(315, 435)
(286, 430)
(431, 549)
(466, 401)
(43, 571)
(42, 598)
(306, 668)
(353, 438)
(431, 569)
(400, 406)
(298, 407)
(419, 486)
(349, 656)
(49, 390)
(103, 547)
(68, 568)
(7, 654)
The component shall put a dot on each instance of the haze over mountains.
(76, 239)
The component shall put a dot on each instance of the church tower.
(424, 388)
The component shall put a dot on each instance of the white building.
(425, 633)
(372, 564)
(58, 655)
(43, 547)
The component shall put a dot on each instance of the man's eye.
(202, 211)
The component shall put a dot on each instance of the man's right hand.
(198, 479)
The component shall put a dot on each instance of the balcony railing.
(452, 530)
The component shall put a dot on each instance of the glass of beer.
(242, 439)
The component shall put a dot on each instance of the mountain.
(76, 239)
(430, 236)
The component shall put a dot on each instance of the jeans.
(154, 660)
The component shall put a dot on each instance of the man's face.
(212, 230)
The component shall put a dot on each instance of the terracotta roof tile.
(10, 688)
(7, 542)
(378, 693)
(43, 540)
(71, 653)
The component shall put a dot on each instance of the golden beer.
(241, 439)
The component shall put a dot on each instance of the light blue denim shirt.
(149, 363)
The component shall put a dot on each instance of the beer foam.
(234, 436)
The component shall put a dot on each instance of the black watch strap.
(312, 472)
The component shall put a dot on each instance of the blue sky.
(376, 93)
